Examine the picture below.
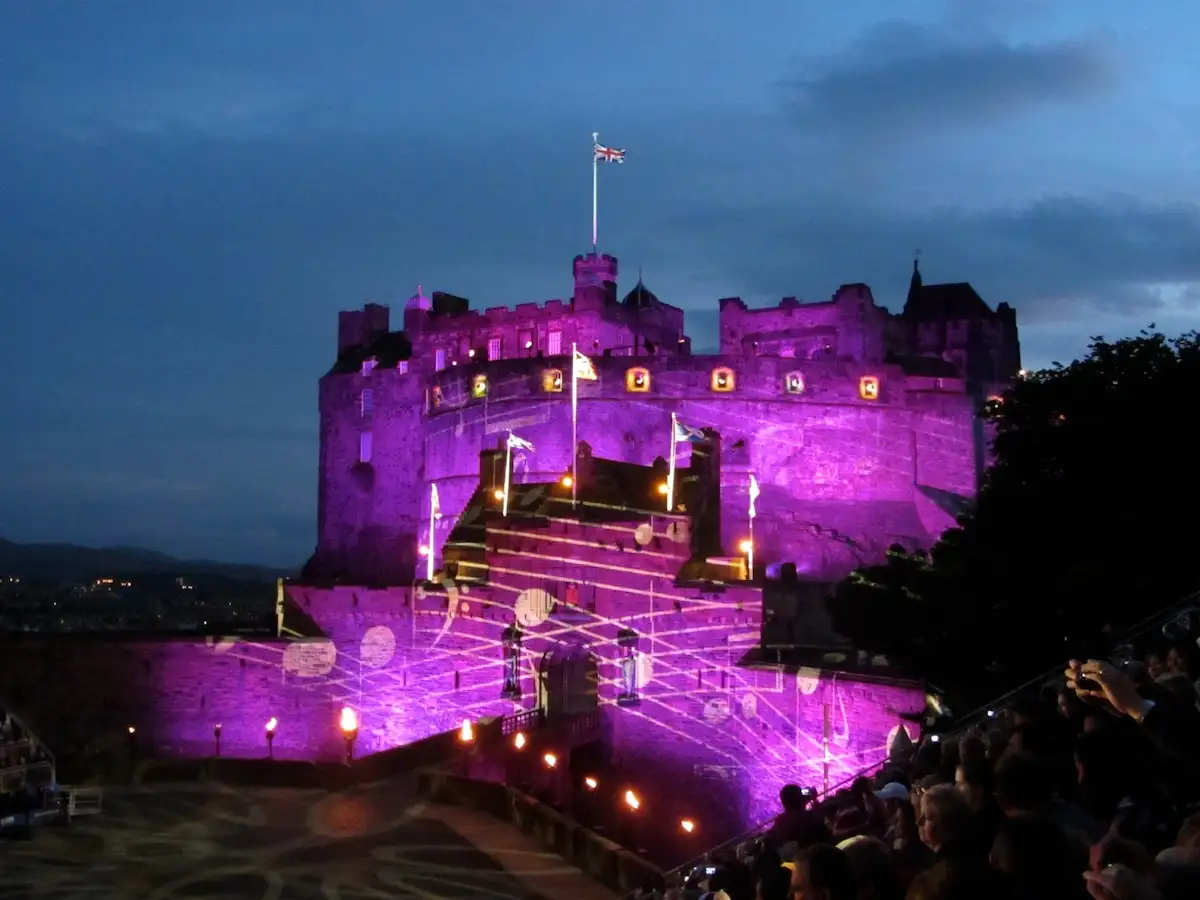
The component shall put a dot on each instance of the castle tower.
(595, 281)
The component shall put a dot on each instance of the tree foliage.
(1084, 520)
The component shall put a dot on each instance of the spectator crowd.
(1090, 791)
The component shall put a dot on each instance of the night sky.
(191, 189)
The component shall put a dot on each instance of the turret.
(595, 281)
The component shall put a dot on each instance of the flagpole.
(595, 191)
(671, 469)
(750, 555)
(574, 425)
(433, 505)
(507, 471)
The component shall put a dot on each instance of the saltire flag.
(516, 443)
(688, 435)
(609, 154)
(754, 492)
(584, 370)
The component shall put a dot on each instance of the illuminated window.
(868, 387)
(366, 446)
(435, 396)
(637, 380)
(479, 387)
(366, 403)
(723, 380)
(554, 343)
(552, 381)
(369, 364)
(439, 359)
(402, 367)
(793, 383)
(494, 348)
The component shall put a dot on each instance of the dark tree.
(1086, 519)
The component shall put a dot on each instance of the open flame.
(349, 720)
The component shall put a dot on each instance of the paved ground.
(208, 841)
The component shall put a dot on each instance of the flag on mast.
(600, 153)
(754, 492)
(581, 370)
(608, 154)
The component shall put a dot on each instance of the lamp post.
(627, 640)
(272, 724)
(217, 737)
(511, 641)
(349, 725)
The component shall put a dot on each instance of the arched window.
(552, 381)
(793, 383)
(868, 387)
(479, 387)
(723, 380)
(637, 380)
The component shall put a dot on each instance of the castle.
(583, 593)
(861, 427)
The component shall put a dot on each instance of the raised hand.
(1098, 680)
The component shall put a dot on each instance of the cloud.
(901, 77)
(1056, 260)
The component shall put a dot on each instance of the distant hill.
(67, 562)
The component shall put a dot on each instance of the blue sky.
(191, 189)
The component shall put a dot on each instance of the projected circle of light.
(378, 647)
(309, 659)
(749, 704)
(533, 607)
(808, 680)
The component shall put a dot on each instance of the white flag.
(435, 505)
(584, 370)
(516, 443)
(754, 492)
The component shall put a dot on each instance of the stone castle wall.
(839, 474)
(418, 662)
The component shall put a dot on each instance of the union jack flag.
(609, 154)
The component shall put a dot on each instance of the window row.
(369, 365)
(722, 381)
(637, 381)
(527, 342)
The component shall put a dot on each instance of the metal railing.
(763, 827)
